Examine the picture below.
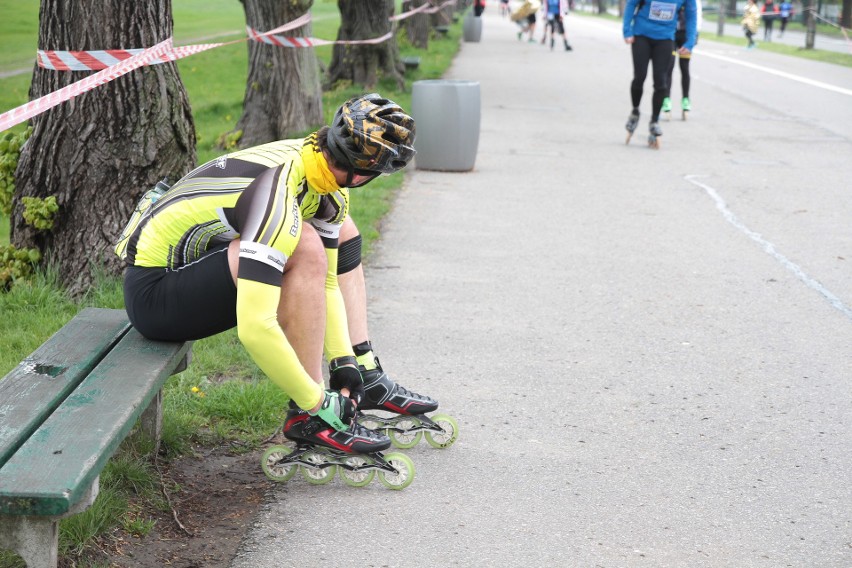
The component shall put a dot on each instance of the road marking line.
(769, 248)
(798, 78)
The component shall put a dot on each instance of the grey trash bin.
(446, 113)
(472, 28)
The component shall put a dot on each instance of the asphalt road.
(648, 352)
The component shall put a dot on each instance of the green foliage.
(229, 140)
(16, 265)
(10, 151)
(133, 524)
(4, 230)
(39, 213)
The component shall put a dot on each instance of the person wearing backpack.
(649, 28)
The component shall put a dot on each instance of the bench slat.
(60, 461)
(33, 389)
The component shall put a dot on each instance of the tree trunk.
(361, 63)
(443, 17)
(417, 26)
(283, 92)
(98, 152)
(846, 14)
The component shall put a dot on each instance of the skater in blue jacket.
(649, 29)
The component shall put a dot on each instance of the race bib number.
(662, 11)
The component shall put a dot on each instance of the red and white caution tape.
(289, 41)
(160, 53)
(96, 60)
(32, 108)
(435, 9)
(410, 13)
(114, 63)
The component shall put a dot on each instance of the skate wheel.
(320, 471)
(405, 433)
(654, 142)
(360, 475)
(369, 423)
(272, 466)
(404, 471)
(684, 114)
(629, 136)
(449, 435)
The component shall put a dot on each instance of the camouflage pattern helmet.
(371, 135)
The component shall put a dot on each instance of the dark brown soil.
(214, 495)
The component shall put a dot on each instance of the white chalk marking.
(770, 248)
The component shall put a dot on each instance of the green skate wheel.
(316, 474)
(449, 435)
(275, 470)
(409, 436)
(361, 476)
(404, 471)
(369, 423)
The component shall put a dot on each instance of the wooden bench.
(64, 411)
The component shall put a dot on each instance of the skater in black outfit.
(649, 28)
(768, 11)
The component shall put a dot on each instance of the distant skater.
(649, 29)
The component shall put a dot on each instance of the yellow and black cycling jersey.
(215, 204)
(260, 196)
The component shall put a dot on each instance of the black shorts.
(556, 25)
(196, 301)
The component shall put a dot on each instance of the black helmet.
(371, 135)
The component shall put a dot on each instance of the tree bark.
(98, 152)
(846, 14)
(283, 92)
(361, 63)
(417, 26)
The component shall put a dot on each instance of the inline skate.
(403, 415)
(667, 108)
(321, 451)
(632, 123)
(654, 134)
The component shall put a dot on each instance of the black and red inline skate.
(321, 451)
(401, 413)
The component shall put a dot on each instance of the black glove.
(344, 374)
(337, 410)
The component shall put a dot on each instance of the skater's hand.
(630, 39)
(344, 375)
(336, 410)
(683, 51)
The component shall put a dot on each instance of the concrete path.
(648, 352)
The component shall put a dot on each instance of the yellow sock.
(367, 360)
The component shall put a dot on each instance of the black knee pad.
(349, 255)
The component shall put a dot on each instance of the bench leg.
(35, 539)
(152, 417)
(152, 420)
(184, 363)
